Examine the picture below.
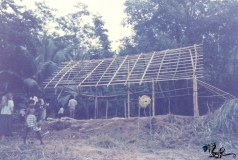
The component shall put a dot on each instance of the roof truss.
(174, 64)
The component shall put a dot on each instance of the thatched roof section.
(174, 64)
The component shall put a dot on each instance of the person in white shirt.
(7, 106)
(34, 98)
(61, 112)
(72, 103)
(42, 107)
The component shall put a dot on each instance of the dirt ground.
(164, 137)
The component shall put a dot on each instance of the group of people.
(71, 107)
(6, 106)
(32, 110)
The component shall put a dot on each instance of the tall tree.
(102, 46)
(18, 39)
(162, 24)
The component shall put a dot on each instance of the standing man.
(71, 105)
(54, 105)
(7, 106)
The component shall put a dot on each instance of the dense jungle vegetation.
(31, 49)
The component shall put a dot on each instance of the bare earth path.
(158, 138)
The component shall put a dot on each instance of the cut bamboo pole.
(169, 107)
(106, 109)
(117, 71)
(91, 72)
(168, 65)
(161, 63)
(58, 74)
(66, 73)
(128, 100)
(96, 103)
(56, 90)
(195, 92)
(153, 98)
(128, 77)
(147, 66)
(105, 71)
(125, 108)
(195, 97)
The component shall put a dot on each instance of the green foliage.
(162, 24)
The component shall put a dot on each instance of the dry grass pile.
(128, 138)
(225, 119)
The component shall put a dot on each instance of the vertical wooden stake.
(87, 112)
(56, 90)
(153, 98)
(169, 107)
(195, 86)
(128, 100)
(96, 103)
(106, 109)
(125, 108)
(195, 97)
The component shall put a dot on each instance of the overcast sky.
(111, 10)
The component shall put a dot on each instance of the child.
(22, 106)
(61, 112)
(31, 121)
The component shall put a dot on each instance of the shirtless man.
(30, 120)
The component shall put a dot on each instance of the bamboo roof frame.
(175, 64)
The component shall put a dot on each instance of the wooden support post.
(195, 97)
(169, 107)
(128, 100)
(195, 86)
(96, 103)
(56, 90)
(153, 98)
(125, 108)
(87, 112)
(106, 109)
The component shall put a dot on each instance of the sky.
(111, 11)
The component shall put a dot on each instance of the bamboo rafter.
(91, 72)
(117, 70)
(147, 68)
(216, 91)
(57, 74)
(65, 74)
(173, 64)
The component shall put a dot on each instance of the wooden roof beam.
(57, 74)
(161, 65)
(66, 73)
(117, 71)
(106, 71)
(147, 68)
(132, 69)
(91, 72)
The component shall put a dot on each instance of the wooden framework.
(175, 64)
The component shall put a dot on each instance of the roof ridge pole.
(195, 91)
(106, 70)
(161, 65)
(147, 68)
(117, 71)
(65, 74)
(91, 72)
(132, 69)
(57, 74)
